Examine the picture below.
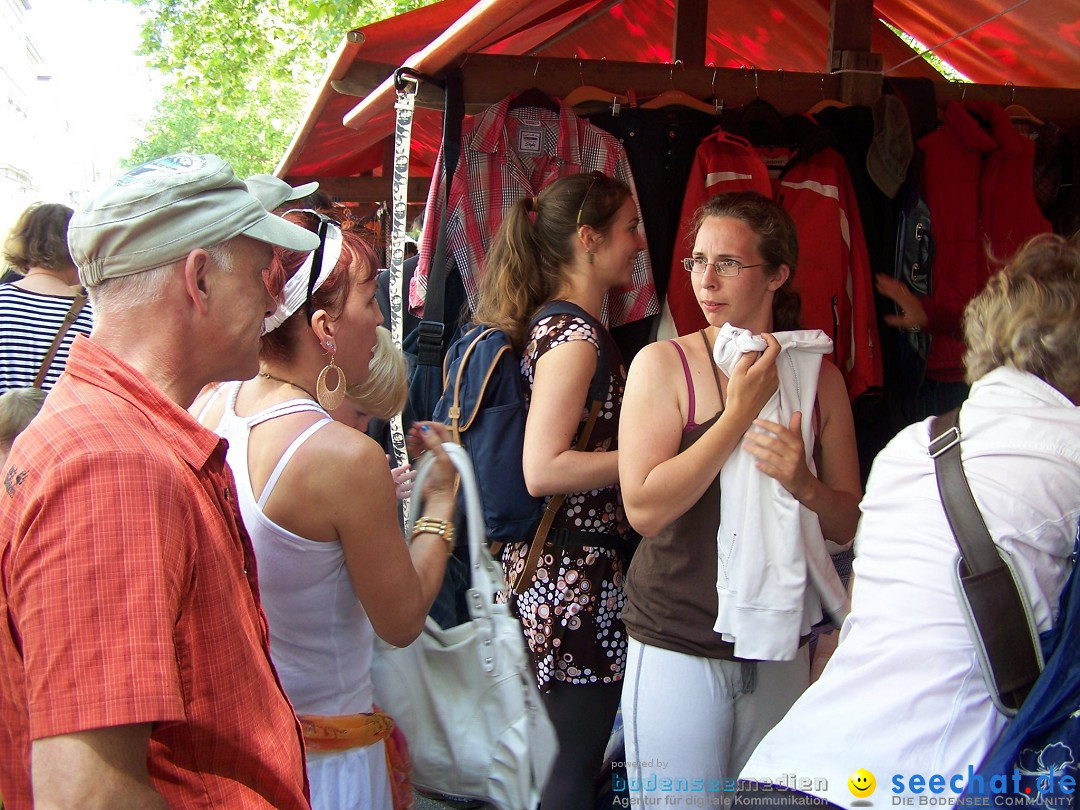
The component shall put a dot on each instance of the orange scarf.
(342, 732)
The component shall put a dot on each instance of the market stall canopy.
(1031, 43)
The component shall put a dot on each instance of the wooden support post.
(850, 23)
(691, 28)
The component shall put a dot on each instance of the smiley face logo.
(861, 783)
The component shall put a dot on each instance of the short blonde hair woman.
(381, 396)
(1028, 316)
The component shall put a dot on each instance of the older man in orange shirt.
(134, 668)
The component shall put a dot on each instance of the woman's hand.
(403, 479)
(912, 316)
(753, 381)
(429, 436)
(780, 454)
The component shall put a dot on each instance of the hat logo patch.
(154, 172)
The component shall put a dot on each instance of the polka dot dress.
(571, 613)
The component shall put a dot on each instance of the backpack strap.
(997, 615)
(597, 395)
(551, 510)
(77, 305)
(598, 386)
(454, 413)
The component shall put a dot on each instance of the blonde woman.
(381, 396)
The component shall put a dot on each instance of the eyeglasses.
(596, 175)
(722, 267)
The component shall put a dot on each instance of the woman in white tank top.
(318, 500)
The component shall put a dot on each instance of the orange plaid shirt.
(128, 594)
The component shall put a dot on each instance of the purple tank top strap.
(692, 409)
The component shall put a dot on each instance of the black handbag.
(997, 614)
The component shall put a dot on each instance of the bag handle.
(1000, 622)
(486, 577)
(77, 305)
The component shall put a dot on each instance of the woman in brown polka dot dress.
(574, 242)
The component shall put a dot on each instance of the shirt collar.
(96, 365)
(489, 134)
(1024, 382)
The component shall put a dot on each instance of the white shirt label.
(529, 140)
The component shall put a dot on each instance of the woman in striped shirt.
(33, 308)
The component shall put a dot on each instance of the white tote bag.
(466, 697)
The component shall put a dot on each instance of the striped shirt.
(28, 324)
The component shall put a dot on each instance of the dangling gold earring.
(330, 398)
(592, 257)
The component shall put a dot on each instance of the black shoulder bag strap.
(998, 618)
(431, 330)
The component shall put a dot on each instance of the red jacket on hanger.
(977, 177)
(833, 273)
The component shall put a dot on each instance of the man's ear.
(783, 273)
(196, 272)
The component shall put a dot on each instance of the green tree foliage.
(240, 73)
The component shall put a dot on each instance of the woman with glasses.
(572, 243)
(317, 499)
(696, 453)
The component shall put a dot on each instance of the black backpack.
(483, 403)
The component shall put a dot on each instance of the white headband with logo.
(295, 293)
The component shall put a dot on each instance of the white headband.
(296, 288)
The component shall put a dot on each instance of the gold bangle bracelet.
(430, 525)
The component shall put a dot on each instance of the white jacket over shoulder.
(773, 572)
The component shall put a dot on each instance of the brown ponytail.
(534, 245)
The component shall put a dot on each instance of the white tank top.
(320, 636)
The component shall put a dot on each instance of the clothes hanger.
(534, 97)
(825, 103)
(587, 93)
(718, 103)
(590, 93)
(677, 98)
(1020, 113)
(759, 122)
